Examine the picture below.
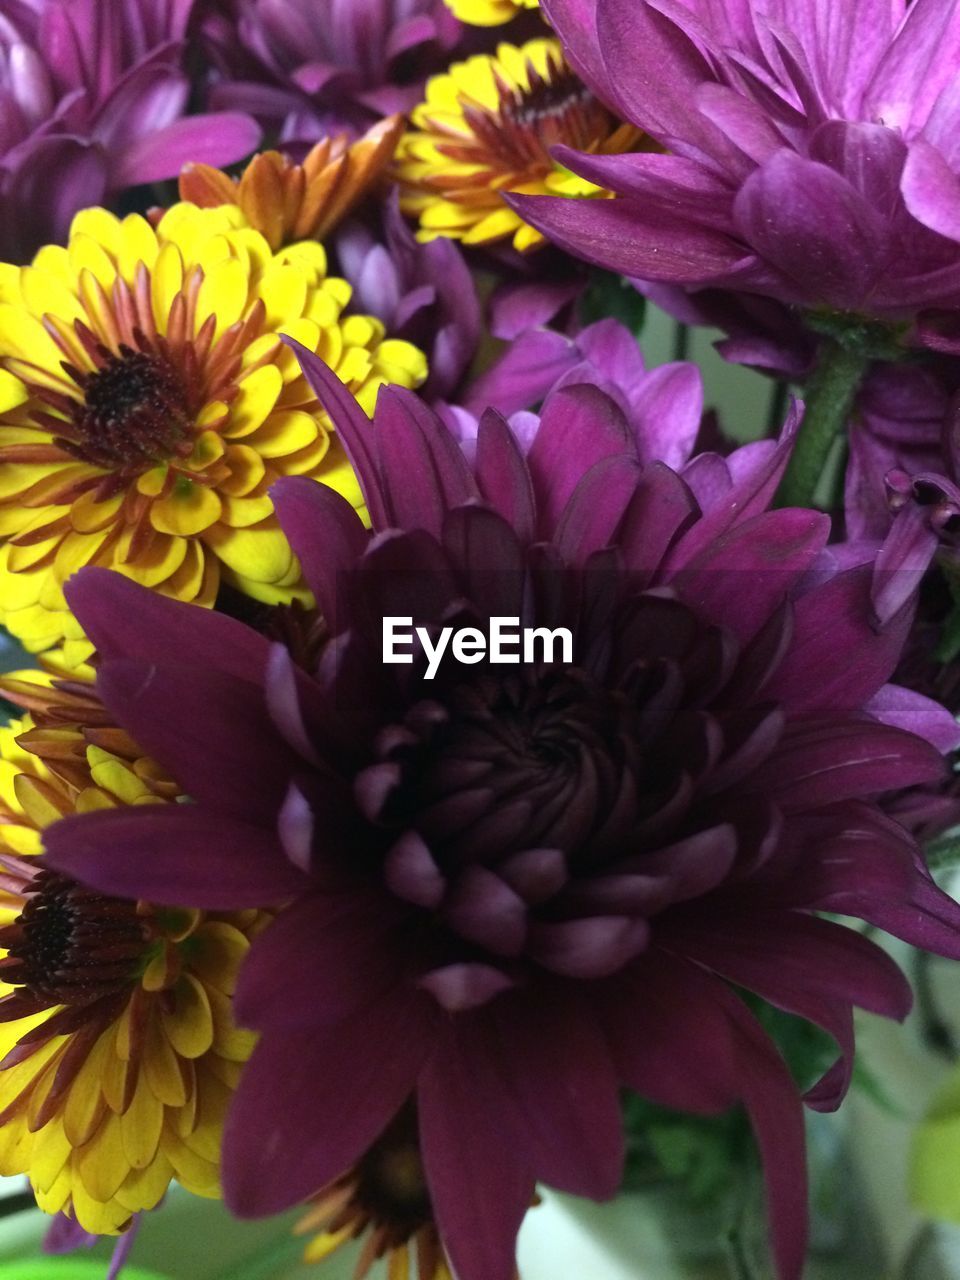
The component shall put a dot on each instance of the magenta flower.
(809, 149)
(92, 101)
(515, 889)
(306, 67)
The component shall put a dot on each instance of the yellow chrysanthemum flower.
(118, 1051)
(147, 405)
(487, 127)
(384, 1201)
(488, 13)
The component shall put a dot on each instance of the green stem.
(829, 397)
(739, 1261)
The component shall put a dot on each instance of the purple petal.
(485, 910)
(618, 235)
(815, 227)
(839, 658)
(654, 65)
(325, 532)
(334, 953)
(353, 427)
(412, 874)
(126, 620)
(776, 1115)
(556, 1069)
(817, 764)
(523, 375)
(480, 1189)
(219, 139)
(176, 854)
(917, 66)
(503, 475)
(469, 985)
(579, 427)
(931, 190)
(590, 519)
(210, 730)
(592, 947)
(775, 549)
(123, 1248)
(804, 965)
(64, 1235)
(669, 1035)
(917, 714)
(311, 1102)
(425, 473)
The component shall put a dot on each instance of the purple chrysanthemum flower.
(514, 890)
(809, 149)
(92, 100)
(307, 67)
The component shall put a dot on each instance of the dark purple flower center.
(547, 813)
(70, 945)
(134, 411)
(534, 758)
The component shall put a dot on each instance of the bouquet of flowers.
(441, 754)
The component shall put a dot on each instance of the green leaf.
(70, 1268)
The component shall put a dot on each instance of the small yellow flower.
(489, 13)
(286, 202)
(147, 405)
(118, 1050)
(384, 1201)
(487, 127)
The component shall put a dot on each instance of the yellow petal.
(284, 433)
(323, 1246)
(283, 290)
(111, 773)
(166, 283)
(189, 1026)
(162, 1068)
(261, 553)
(246, 470)
(85, 1102)
(187, 510)
(193, 1172)
(102, 1163)
(44, 294)
(217, 953)
(138, 243)
(142, 1125)
(223, 294)
(99, 225)
(230, 1041)
(144, 1188)
(256, 396)
(21, 334)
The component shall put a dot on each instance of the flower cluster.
(319, 380)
